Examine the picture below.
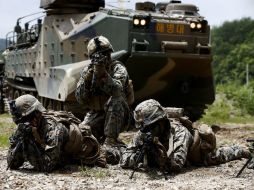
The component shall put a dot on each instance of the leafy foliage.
(234, 103)
(242, 97)
(6, 128)
(233, 49)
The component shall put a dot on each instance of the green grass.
(224, 110)
(6, 129)
(94, 172)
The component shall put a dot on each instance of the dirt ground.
(75, 177)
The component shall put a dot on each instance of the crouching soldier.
(48, 139)
(166, 143)
(105, 90)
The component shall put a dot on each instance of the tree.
(233, 49)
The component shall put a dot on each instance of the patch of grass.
(94, 172)
(6, 129)
(5, 115)
(218, 112)
(223, 110)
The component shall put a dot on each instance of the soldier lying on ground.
(48, 139)
(106, 91)
(173, 143)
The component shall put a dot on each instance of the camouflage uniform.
(55, 140)
(177, 140)
(102, 90)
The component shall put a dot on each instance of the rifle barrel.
(136, 163)
(14, 154)
(244, 166)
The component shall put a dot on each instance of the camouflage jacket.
(113, 83)
(176, 142)
(58, 143)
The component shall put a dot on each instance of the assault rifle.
(96, 59)
(147, 149)
(248, 161)
(22, 138)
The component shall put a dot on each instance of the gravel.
(75, 177)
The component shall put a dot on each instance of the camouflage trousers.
(110, 121)
(226, 154)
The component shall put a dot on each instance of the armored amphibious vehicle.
(165, 47)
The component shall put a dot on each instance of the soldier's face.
(33, 119)
(159, 127)
(35, 122)
(155, 128)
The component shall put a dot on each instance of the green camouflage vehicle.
(165, 47)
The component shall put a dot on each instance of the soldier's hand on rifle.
(98, 59)
(97, 70)
(25, 128)
(161, 154)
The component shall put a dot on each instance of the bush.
(218, 112)
(234, 103)
(242, 96)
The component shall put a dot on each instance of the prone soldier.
(180, 144)
(48, 139)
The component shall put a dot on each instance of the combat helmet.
(25, 105)
(99, 44)
(148, 112)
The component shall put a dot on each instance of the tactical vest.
(204, 140)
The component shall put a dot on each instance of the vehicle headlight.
(143, 22)
(193, 25)
(199, 26)
(136, 21)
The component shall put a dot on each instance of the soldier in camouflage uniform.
(177, 143)
(104, 89)
(51, 138)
